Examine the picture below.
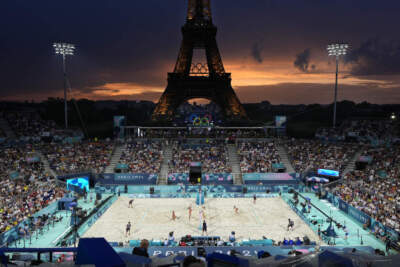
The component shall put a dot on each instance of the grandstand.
(37, 208)
(178, 183)
(361, 203)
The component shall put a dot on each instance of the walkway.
(234, 162)
(115, 158)
(285, 159)
(46, 164)
(167, 157)
(351, 166)
(52, 233)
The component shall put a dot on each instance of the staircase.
(46, 164)
(285, 159)
(167, 157)
(6, 128)
(351, 166)
(116, 156)
(234, 162)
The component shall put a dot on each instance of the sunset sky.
(275, 49)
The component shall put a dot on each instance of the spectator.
(27, 193)
(232, 237)
(313, 155)
(211, 154)
(142, 250)
(142, 157)
(257, 156)
(191, 261)
(79, 157)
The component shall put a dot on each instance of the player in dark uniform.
(128, 229)
(290, 224)
(204, 227)
(254, 198)
(130, 203)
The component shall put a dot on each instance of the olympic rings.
(200, 120)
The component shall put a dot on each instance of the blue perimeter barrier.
(182, 191)
(246, 251)
(359, 216)
(12, 234)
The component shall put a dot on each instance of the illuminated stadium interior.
(199, 176)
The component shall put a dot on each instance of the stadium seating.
(375, 190)
(207, 178)
(78, 157)
(361, 130)
(257, 156)
(25, 187)
(211, 154)
(142, 157)
(314, 154)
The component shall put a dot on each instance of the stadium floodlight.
(64, 49)
(336, 50)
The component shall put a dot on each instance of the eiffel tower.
(199, 80)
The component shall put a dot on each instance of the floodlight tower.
(336, 50)
(65, 50)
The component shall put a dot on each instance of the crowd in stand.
(257, 156)
(314, 154)
(79, 157)
(25, 187)
(198, 132)
(376, 189)
(212, 155)
(142, 157)
(29, 124)
(21, 199)
(21, 161)
(361, 130)
(30, 190)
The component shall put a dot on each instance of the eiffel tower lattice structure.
(191, 80)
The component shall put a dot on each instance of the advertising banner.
(135, 178)
(207, 178)
(32, 159)
(280, 121)
(328, 172)
(343, 206)
(79, 184)
(270, 188)
(269, 178)
(119, 126)
(121, 166)
(366, 159)
(14, 175)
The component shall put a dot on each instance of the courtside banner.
(135, 178)
(267, 177)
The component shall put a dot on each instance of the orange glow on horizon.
(245, 74)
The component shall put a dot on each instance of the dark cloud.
(138, 41)
(304, 93)
(303, 60)
(256, 51)
(375, 57)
